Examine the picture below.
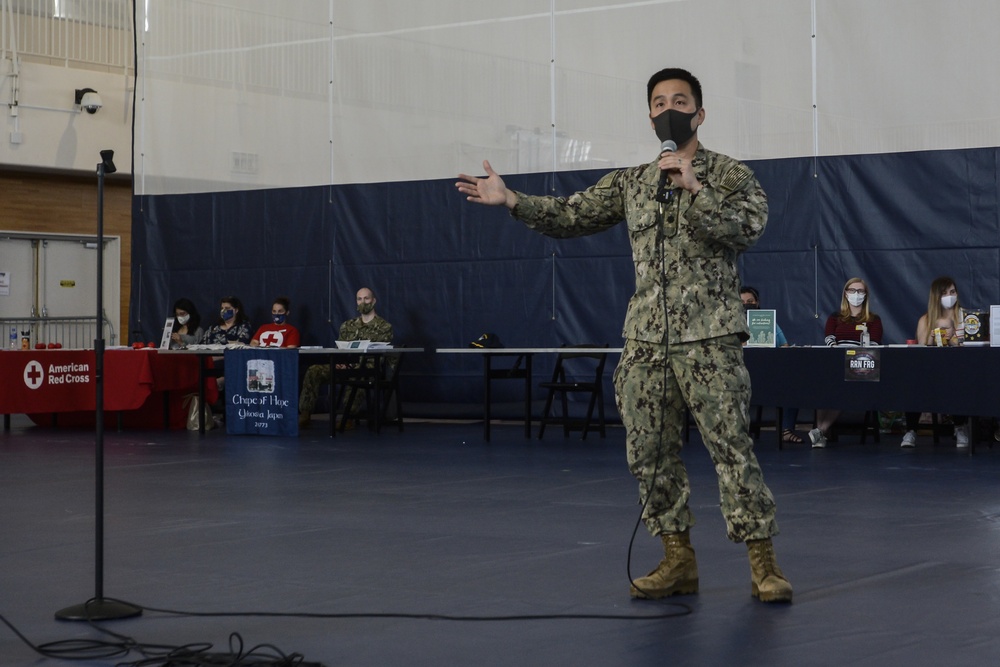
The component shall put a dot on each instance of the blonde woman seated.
(943, 312)
(943, 325)
(846, 327)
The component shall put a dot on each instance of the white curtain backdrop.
(262, 94)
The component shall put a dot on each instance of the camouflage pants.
(318, 375)
(652, 386)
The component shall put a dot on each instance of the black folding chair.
(576, 373)
(380, 383)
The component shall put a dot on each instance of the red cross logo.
(34, 375)
(272, 339)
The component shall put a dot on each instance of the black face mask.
(674, 125)
(750, 306)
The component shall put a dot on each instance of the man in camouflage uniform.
(689, 213)
(367, 326)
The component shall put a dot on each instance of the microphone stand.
(98, 608)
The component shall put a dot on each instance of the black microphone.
(668, 146)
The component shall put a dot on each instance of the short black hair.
(674, 73)
(746, 289)
(284, 302)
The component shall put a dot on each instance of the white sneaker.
(817, 438)
(909, 439)
(962, 436)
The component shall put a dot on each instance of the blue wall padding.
(446, 271)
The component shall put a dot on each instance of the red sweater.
(839, 332)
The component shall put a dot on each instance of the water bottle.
(13, 338)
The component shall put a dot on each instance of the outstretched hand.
(490, 190)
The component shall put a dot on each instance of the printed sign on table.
(862, 365)
(262, 392)
(761, 323)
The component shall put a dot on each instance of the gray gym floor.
(892, 553)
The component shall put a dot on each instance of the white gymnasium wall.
(49, 132)
(48, 50)
(259, 94)
(905, 75)
(394, 91)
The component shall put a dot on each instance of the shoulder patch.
(608, 180)
(735, 177)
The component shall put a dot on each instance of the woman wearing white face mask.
(847, 327)
(187, 325)
(943, 312)
(842, 326)
(942, 325)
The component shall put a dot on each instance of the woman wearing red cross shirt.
(279, 333)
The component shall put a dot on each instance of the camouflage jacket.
(377, 330)
(685, 251)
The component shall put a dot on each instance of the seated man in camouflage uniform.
(690, 213)
(367, 326)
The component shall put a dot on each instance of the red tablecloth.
(43, 382)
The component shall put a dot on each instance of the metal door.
(53, 287)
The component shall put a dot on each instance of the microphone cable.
(200, 654)
(163, 655)
(665, 197)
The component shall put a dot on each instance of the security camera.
(89, 100)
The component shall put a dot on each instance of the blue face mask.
(227, 314)
(278, 319)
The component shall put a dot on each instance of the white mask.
(855, 299)
(183, 319)
(949, 300)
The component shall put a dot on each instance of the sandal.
(789, 435)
